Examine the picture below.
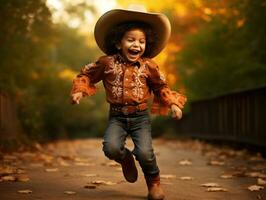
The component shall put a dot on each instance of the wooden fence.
(239, 117)
(9, 125)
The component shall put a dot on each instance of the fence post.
(9, 123)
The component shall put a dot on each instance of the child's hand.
(176, 112)
(76, 97)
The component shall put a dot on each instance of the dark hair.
(116, 34)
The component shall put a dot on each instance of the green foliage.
(33, 53)
(223, 57)
(72, 50)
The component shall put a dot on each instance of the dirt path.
(78, 170)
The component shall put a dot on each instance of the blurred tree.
(226, 54)
(38, 61)
(24, 34)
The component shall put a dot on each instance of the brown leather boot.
(129, 168)
(154, 188)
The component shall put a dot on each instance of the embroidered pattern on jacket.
(137, 74)
(162, 77)
(117, 88)
(87, 67)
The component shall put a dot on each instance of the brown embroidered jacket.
(128, 83)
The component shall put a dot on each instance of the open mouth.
(133, 52)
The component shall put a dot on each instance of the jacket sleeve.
(89, 75)
(164, 97)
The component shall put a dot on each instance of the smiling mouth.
(133, 52)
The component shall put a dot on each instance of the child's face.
(133, 44)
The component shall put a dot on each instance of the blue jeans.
(138, 126)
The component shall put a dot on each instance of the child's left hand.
(176, 112)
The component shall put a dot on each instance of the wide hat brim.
(157, 21)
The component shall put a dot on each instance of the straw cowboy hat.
(159, 23)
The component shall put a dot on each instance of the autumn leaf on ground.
(91, 175)
(185, 162)
(216, 189)
(216, 163)
(226, 176)
(21, 171)
(261, 181)
(256, 174)
(101, 182)
(27, 191)
(90, 186)
(23, 178)
(255, 188)
(83, 160)
(5, 170)
(62, 162)
(257, 157)
(210, 185)
(186, 178)
(8, 178)
(51, 170)
(84, 164)
(69, 192)
(48, 159)
(113, 164)
(168, 176)
(239, 173)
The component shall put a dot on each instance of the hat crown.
(137, 8)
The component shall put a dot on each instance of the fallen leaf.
(51, 170)
(257, 157)
(5, 170)
(185, 162)
(100, 182)
(62, 162)
(261, 181)
(255, 188)
(84, 164)
(226, 176)
(216, 163)
(210, 185)
(21, 171)
(216, 189)
(90, 186)
(84, 160)
(256, 174)
(186, 178)
(69, 192)
(27, 191)
(113, 164)
(239, 173)
(45, 158)
(168, 176)
(23, 178)
(90, 175)
(8, 178)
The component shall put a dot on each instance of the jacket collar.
(122, 60)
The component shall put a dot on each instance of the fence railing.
(239, 117)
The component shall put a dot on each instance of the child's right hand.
(76, 97)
